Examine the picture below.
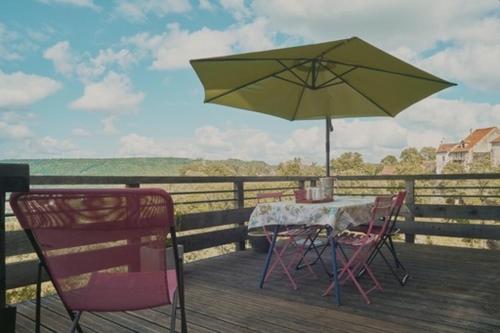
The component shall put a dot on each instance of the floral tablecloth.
(340, 214)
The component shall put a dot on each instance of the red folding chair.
(361, 246)
(104, 249)
(291, 249)
(397, 269)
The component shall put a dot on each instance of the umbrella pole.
(327, 145)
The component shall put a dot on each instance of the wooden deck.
(450, 290)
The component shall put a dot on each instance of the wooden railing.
(228, 202)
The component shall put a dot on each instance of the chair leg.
(38, 298)
(74, 324)
(174, 311)
(182, 298)
(402, 278)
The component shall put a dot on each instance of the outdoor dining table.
(336, 216)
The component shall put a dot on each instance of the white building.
(479, 141)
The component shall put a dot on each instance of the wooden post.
(410, 203)
(13, 178)
(302, 184)
(239, 202)
(136, 265)
(312, 182)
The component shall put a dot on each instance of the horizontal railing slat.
(212, 219)
(22, 274)
(458, 212)
(215, 238)
(120, 180)
(481, 231)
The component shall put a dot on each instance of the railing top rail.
(119, 180)
(460, 176)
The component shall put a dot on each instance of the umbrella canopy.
(338, 79)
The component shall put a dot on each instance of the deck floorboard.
(450, 290)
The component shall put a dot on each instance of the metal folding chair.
(291, 248)
(104, 249)
(361, 246)
(397, 269)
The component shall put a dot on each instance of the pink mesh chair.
(361, 246)
(104, 249)
(291, 250)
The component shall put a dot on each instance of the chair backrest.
(100, 238)
(381, 211)
(398, 202)
(269, 195)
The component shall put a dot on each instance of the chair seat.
(375, 229)
(117, 291)
(355, 239)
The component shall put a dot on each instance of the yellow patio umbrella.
(338, 79)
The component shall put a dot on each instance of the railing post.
(410, 203)
(136, 267)
(13, 178)
(302, 184)
(239, 202)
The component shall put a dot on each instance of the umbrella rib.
(287, 80)
(362, 94)
(300, 97)
(390, 72)
(291, 71)
(345, 41)
(336, 76)
(252, 82)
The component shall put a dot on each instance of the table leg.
(269, 255)
(334, 263)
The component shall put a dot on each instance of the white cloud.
(374, 138)
(114, 95)
(108, 125)
(7, 37)
(81, 132)
(85, 66)
(237, 8)
(61, 57)
(475, 64)
(14, 131)
(48, 146)
(19, 89)
(137, 11)
(97, 65)
(77, 3)
(206, 5)
(386, 22)
(174, 48)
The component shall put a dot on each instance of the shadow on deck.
(450, 290)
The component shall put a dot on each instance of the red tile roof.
(445, 147)
(473, 138)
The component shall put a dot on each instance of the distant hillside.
(162, 166)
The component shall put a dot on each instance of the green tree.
(410, 155)
(290, 168)
(351, 164)
(454, 167)
(389, 160)
(428, 153)
(481, 164)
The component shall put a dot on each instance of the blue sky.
(90, 78)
